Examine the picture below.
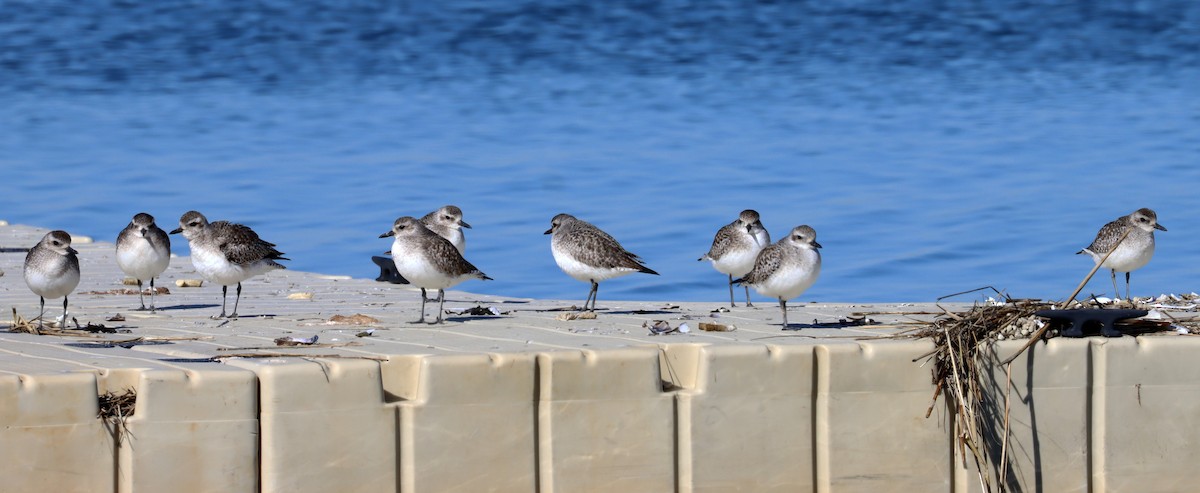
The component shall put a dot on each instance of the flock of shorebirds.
(428, 252)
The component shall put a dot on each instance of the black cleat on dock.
(1077, 319)
(387, 270)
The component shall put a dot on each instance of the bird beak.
(1160, 227)
(72, 251)
(463, 223)
(142, 231)
(548, 231)
(389, 252)
(815, 244)
(389, 233)
(177, 230)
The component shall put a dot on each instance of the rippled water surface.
(934, 146)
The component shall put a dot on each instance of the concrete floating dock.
(523, 401)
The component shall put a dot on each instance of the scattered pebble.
(300, 296)
(188, 283)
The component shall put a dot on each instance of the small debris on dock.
(127, 291)
(296, 341)
(576, 316)
(478, 310)
(300, 296)
(356, 319)
(711, 327)
(188, 283)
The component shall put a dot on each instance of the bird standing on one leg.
(787, 268)
(143, 252)
(227, 253)
(588, 254)
(735, 247)
(428, 261)
(1133, 253)
(52, 271)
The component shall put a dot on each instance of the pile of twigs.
(962, 371)
(115, 409)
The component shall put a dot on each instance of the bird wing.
(594, 241)
(767, 263)
(1107, 238)
(441, 252)
(725, 239)
(241, 245)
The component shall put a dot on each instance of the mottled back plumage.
(241, 245)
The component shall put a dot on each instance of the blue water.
(934, 146)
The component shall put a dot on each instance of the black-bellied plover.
(52, 271)
(787, 268)
(226, 253)
(590, 255)
(428, 261)
(735, 247)
(1133, 253)
(448, 223)
(143, 252)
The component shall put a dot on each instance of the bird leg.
(748, 303)
(236, 301)
(1116, 292)
(63, 324)
(783, 308)
(731, 305)
(592, 296)
(1127, 287)
(224, 291)
(42, 313)
(422, 319)
(441, 303)
(142, 297)
(153, 292)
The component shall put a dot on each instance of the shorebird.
(735, 247)
(448, 223)
(227, 253)
(428, 261)
(143, 252)
(52, 271)
(588, 254)
(1133, 253)
(787, 268)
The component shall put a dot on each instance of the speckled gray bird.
(227, 253)
(52, 270)
(428, 261)
(143, 253)
(1133, 253)
(735, 247)
(588, 254)
(787, 268)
